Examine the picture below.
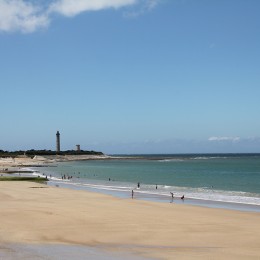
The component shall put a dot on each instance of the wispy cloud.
(224, 138)
(150, 4)
(26, 16)
(145, 6)
(17, 15)
(75, 7)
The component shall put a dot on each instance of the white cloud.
(224, 138)
(74, 7)
(17, 15)
(26, 16)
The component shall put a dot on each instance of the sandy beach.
(34, 214)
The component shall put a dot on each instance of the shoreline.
(151, 230)
(163, 198)
(27, 168)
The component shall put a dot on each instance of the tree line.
(32, 153)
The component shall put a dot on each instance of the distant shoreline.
(50, 160)
(43, 161)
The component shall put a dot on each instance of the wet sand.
(62, 252)
(34, 217)
(162, 198)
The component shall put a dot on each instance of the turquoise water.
(224, 178)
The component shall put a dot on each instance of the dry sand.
(33, 213)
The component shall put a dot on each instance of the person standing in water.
(132, 194)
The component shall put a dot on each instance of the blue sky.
(130, 76)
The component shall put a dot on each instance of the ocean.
(214, 180)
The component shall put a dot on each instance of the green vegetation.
(16, 178)
(32, 153)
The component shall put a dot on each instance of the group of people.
(182, 197)
(64, 177)
(156, 187)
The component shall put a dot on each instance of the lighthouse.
(58, 142)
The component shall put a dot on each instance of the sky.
(130, 76)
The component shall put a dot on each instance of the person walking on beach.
(172, 197)
(132, 194)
